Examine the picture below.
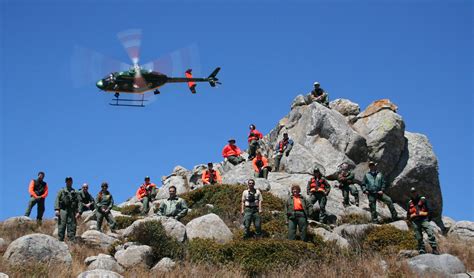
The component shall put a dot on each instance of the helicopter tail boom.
(212, 79)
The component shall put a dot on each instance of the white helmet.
(316, 83)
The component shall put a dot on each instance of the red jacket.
(255, 135)
(254, 163)
(206, 176)
(231, 150)
(31, 190)
(142, 190)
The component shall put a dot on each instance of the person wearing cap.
(297, 210)
(319, 95)
(67, 210)
(38, 190)
(251, 207)
(211, 176)
(173, 207)
(232, 153)
(346, 184)
(86, 201)
(146, 193)
(282, 148)
(318, 189)
(419, 214)
(104, 202)
(253, 138)
(260, 166)
(373, 185)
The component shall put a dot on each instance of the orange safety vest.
(255, 135)
(419, 210)
(231, 151)
(297, 204)
(282, 145)
(206, 177)
(317, 185)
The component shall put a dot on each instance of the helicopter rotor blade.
(131, 40)
(177, 62)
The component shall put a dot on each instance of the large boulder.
(103, 261)
(135, 255)
(173, 227)
(448, 222)
(329, 236)
(36, 248)
(238, 174)
(401, 225)
(463, 230)
(209, 226)
(16, 221)
(444, 264)
(3, 275)
(384, 131)
(345, 107)
(99, 239)
(350, 231)
(164, 265)
(99, 273)
(418, 167)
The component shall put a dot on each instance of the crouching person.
(104, 202)
(297, 211)
(174, 207)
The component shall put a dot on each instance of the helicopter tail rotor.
(213, 80)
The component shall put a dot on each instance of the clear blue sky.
(419, 54)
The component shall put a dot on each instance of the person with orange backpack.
(232, 153)
(419, 214)
(260, 166)
(318, 189)
(253, 138)
(211, 176)
(146, 193)
(38, 190)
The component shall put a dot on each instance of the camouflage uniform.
(173, 207)
(346, 184)
(67, 203)
(373, 183)
(104, 202)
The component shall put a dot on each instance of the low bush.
(125, 221)
(153, 234)
(387, 239)
(256, 256)
(353, 218)
(131, 210)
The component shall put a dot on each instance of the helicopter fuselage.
(124, 82)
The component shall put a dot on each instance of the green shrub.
(387, 239)
(256, 256)
(353, 218)
(131, 210)
(153, 234)
(125, 221)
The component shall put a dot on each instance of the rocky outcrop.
(345, 107)
(173, 227)
(37, 248)
(401, 225)
(102, 261)
(463, 230)
(135, 255)
(209, 226)
(99, 273)
(444, 264)
(96, 238)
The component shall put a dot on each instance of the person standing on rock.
(211, 176)
(319, 95)
(419, 214)
(251, 207)
(282, 148)
(318, 189)
(104, 202)
(38, 190)
(260, 166)
(146, 193)
(67, 210)
(86, 201)
(346, 184)
(253, 139)
(373, 185)
(174, 207)
(297, 210)
(232, 153)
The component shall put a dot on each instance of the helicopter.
(138, 80)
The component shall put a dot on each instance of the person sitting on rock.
(251, 207)
(419, 214)
(232, 153)
(318, 189)
(253, 139)
(66, 208)
(282, 147)
(297, 210)
(211, 176)
(38, 190)
(104, 202)
(174, 207)
(146, 193)
(260, 166)
(86, 201)
(373, 185)
(346, 184)
(319, 95)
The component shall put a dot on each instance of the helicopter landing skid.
(127, 102)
